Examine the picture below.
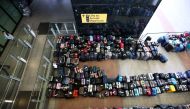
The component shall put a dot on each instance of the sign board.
(94, 18)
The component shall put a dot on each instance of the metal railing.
(38, 96)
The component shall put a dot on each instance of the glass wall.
(38, 96)
(12, 68)
(124, 17)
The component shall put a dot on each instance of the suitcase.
(121, 45)
(118, 85)
(121, 92)
(77, 76)
(92, 56)
(92, 81)
(155, 55)
(119, 78)
(104, 79)
(114, 56)
(82, 91)
(165, 41)
(82, 57)
(146, 56)
(186, 34)
(75, 93)
(125, 86)
(98, 38)
(169, 47)
(90, 88)
(82, 75)
(163, 58)
(94, 88)
(123, 55)
(188, 73)
(99, 56)
(91, 38)
(98, 81)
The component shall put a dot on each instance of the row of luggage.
(92, 81)
(94, 73)
(161, 106)
(112, 89)
(175, 43)
(98, 47)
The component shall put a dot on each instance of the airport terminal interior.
(94, 54)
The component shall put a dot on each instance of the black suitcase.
(82, 57)
(98, 80)
(123, 55)
(104, 79)
(99, 56)
(168, 47)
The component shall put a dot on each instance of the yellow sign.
(94, 18)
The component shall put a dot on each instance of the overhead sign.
(94, 18)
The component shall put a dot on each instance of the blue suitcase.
(163, 58)
(188, 73)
